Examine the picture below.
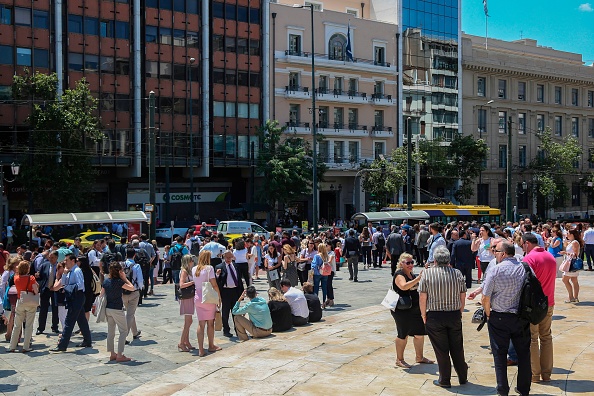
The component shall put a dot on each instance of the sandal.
(569, 301)
(425, 361)
(215, 348)
(403, 364)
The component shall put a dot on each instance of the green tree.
(551, 167)
(60, 175)
(286, 162)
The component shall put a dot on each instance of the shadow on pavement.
(8, 388)
(558, 317)
(470, 389)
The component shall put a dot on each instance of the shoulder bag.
(209, 294)
(29, 299)
(185, 293)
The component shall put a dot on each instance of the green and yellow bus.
(446, 213)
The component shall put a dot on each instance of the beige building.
(537, 87)
(356, 99)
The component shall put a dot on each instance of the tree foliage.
(60, 174)
(286, 163)
(552, 165)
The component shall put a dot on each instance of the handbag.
(209, 294)
(5, 299)
(184, 293)
(218, 321)
(404, 303)
(273, 275)
(391, 299)
(101, 309)
(479, 318)
(27, 298)
(325, 269)
(565, 265)
(576, 264)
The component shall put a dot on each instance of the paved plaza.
(351, 352)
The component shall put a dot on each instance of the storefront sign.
(177, 197)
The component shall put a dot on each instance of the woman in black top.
(408, 321)
(83, 263)
(114, 312)
(280, 311)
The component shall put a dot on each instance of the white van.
(234, 229)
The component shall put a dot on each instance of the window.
(353, 118)
(107, 64)
(338, 152)
(122, 102)
(179, 38)
(75, 24)
(522, 123)
(230, 77)
(558, 126)
(323, 151)
(482, 194)
(323, 85)
(218, 109)
(379, 148)
(378, 90)
(122, 30)
(575, 194)
(293, 81)
(91, 26)
(218, 42)
(590, 98)
(218, 9)
(230, 109)
(6, 55)
(522, 156)
(521, 90)
(243, 78)
(254, 110)
(323, 116)
(558, 95)
(591, 158)
(122, 66)
(540, 93)
(150, 33)
(482, 121)
(481, 86)
(106, 29)
(40, 19)
(316, 6)
(502, 122)
(522, 195)
(574, 97)
(151, 69)
(91, 62)
(166, 4)
(230, 11)
(294, 44)
(179, 105)
(294, 114)
(191, 6)
(230, 44)
(379, 55)
(353, 152)
(242, 14)
(255, 15)
(41, 58)
(540, 122)
(379, 120)
(336, 47)
(192, 39)
(179, 5)
(22, 16)
(5, 15)
(353, 12)
(352, 86)
(218, 76)
(502, 89)
(338, 118)
(502, 156)
(179, 73)
(75, 61)
(591, 127)
(242, 110)
(242, 46)
(255, 47)
(337, 85)
(23, 56)
(165, 69)
(575, 126)
(5, 92)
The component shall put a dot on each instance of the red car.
(211, 229)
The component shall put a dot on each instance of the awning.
(133, 216)
(394, 215)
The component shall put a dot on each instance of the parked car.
(211, 229)
(163, 235)
(235, 229)
(87, 238)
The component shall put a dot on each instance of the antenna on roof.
(521, 34)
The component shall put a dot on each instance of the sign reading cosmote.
(177, 197)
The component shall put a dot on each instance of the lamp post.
(14, 168)
(524, 188)
(481, 134)
(192, 60)
(313, 118)
(408, 164)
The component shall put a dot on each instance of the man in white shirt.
(589, 245)
(95, 257)
(297, 301)
(216, 250)
(9, 237)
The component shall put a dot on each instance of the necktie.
(52, 276)
(232, 272)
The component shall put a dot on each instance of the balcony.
(327, 60)
(297, 92)
(382, 131)
(341, 96)
(334, 129)
(382, 100)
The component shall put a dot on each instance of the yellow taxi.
(87, 238)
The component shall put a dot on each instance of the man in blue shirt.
(74, 285)
(131, 299)
(259, 325)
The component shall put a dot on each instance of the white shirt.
(297, 301)
(94, 258)
(240, 255)
(9, 232)
(589, 236)
(254, 253)
(230, 281)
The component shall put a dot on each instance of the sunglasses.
(409, 262)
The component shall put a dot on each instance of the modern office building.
(201, 58)
(356, 98)
(537, 87)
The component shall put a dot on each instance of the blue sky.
(565, 25)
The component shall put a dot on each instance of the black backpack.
(381, 239)
(128, 272)
(142, 258)
(175, 258)
(195, 247)
(534, 304)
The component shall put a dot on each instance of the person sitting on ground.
(280, 310)
(259, 324)
(297, 301)
(313, 303)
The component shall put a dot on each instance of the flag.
(485, 8)
(349, 51)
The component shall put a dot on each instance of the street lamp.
(192, 60)
(313, 118)
(14, 168)
(480, 137)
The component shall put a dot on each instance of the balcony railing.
(378, 96)
(380, 128)
(296, 88)
(338, 59)
(293, 124)
(339, 91)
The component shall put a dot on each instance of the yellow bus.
(445, 213)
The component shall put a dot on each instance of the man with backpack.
(142, 258)
(195, 246)
(177, 251)
(131, 298)
(379, 242)
(109, 257)
(146, 245)
(502, 290)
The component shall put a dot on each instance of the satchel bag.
(184, 293)
(101, 309)
(29, 299)
(218, 324)
(565, 265)
(391, 299)
(404, 303)
(576, 264)
(273, 275)
(209, 294)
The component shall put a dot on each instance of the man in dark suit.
(230, 287)
(394, 248)
(462, 257)
(46, 276)
(454, 236)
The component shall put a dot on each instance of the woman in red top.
(24, 312)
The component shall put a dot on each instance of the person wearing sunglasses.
(408, 321)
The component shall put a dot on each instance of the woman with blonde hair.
(186, 305)
(571, 251)
(204, 272)
(409, 322)
(321, 269)
(280, 310)
(290, 265)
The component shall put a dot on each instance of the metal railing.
(344, 59)
(296, 88)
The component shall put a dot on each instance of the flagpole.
(486, 30)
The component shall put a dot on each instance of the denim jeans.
(324, 280)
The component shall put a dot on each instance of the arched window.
(337, 47)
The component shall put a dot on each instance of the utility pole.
(418, 175)
(508, 199)
(409, 165)
(151, 158)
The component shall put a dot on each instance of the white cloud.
(586, 7)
